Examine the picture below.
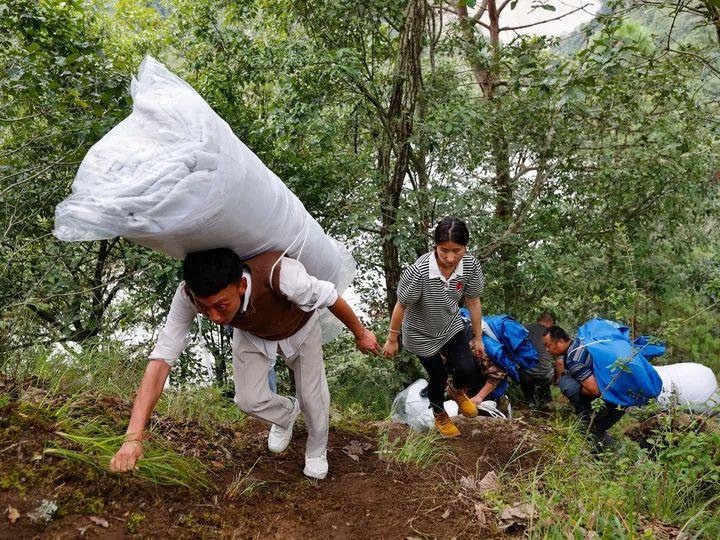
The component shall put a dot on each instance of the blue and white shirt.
(578, 362)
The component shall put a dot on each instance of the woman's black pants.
(459, 362)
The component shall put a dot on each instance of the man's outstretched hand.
(126, 458)
(367, 343)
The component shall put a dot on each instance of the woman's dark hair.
(556, 334)
(451, 229)
(208, 272)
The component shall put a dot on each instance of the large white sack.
(172, 176)
(689, 385)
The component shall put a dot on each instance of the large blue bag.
(496, 352)
(516, 340)
(511, 351)
(623, 374)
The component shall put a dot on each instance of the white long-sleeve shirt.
(304, 290)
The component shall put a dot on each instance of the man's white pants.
(254, 397)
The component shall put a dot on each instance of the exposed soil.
(367, 498)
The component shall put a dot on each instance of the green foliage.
(204, 405)
(358, 381)
(133, 522)
(691, 333)
(60, 92)
(621, 135)
(110, 369)
(626, 492)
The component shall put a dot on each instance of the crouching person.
(574, 373)
(271, 302)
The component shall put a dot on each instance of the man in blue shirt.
(575, 377)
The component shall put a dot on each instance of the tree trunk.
(486, 76)
(396, 141)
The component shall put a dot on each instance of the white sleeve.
(308, 292)
(173, 337)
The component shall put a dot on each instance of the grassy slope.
(202, 449)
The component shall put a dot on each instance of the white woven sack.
(172, 176)
(690, 384)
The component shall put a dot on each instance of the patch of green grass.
(133, 522)
(203, 525)
(79, 502)
(626, 492)
(362, 383)
(108, 369)
(243, 485)
(204, 405)
(352, 421)
(159, 465)
(418, 449)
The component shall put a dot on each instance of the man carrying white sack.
(272, 303)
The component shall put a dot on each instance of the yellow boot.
(467, 407)
(445, 425)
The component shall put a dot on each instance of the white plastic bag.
(691, 385)
(172, 176)
(411, 408)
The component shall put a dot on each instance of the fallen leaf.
(13, 514)
(516, 514)
(480, 513)
(217, 464)
(446, 514)
(490, 482)
(99, 521)
(355, 449)
(83, 530)
(518, 511)
(36, 457)
(468, 482)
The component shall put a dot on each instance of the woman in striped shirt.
(427, 308)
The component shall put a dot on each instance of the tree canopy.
(586, 173)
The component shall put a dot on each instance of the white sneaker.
(316, 467)
(279, 437)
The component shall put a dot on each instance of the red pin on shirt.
(458, 286)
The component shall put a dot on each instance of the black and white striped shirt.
(431, 302)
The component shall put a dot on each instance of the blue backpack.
(623, 374)
(516, 339)
(511, 351)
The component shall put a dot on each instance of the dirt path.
(260, 495)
